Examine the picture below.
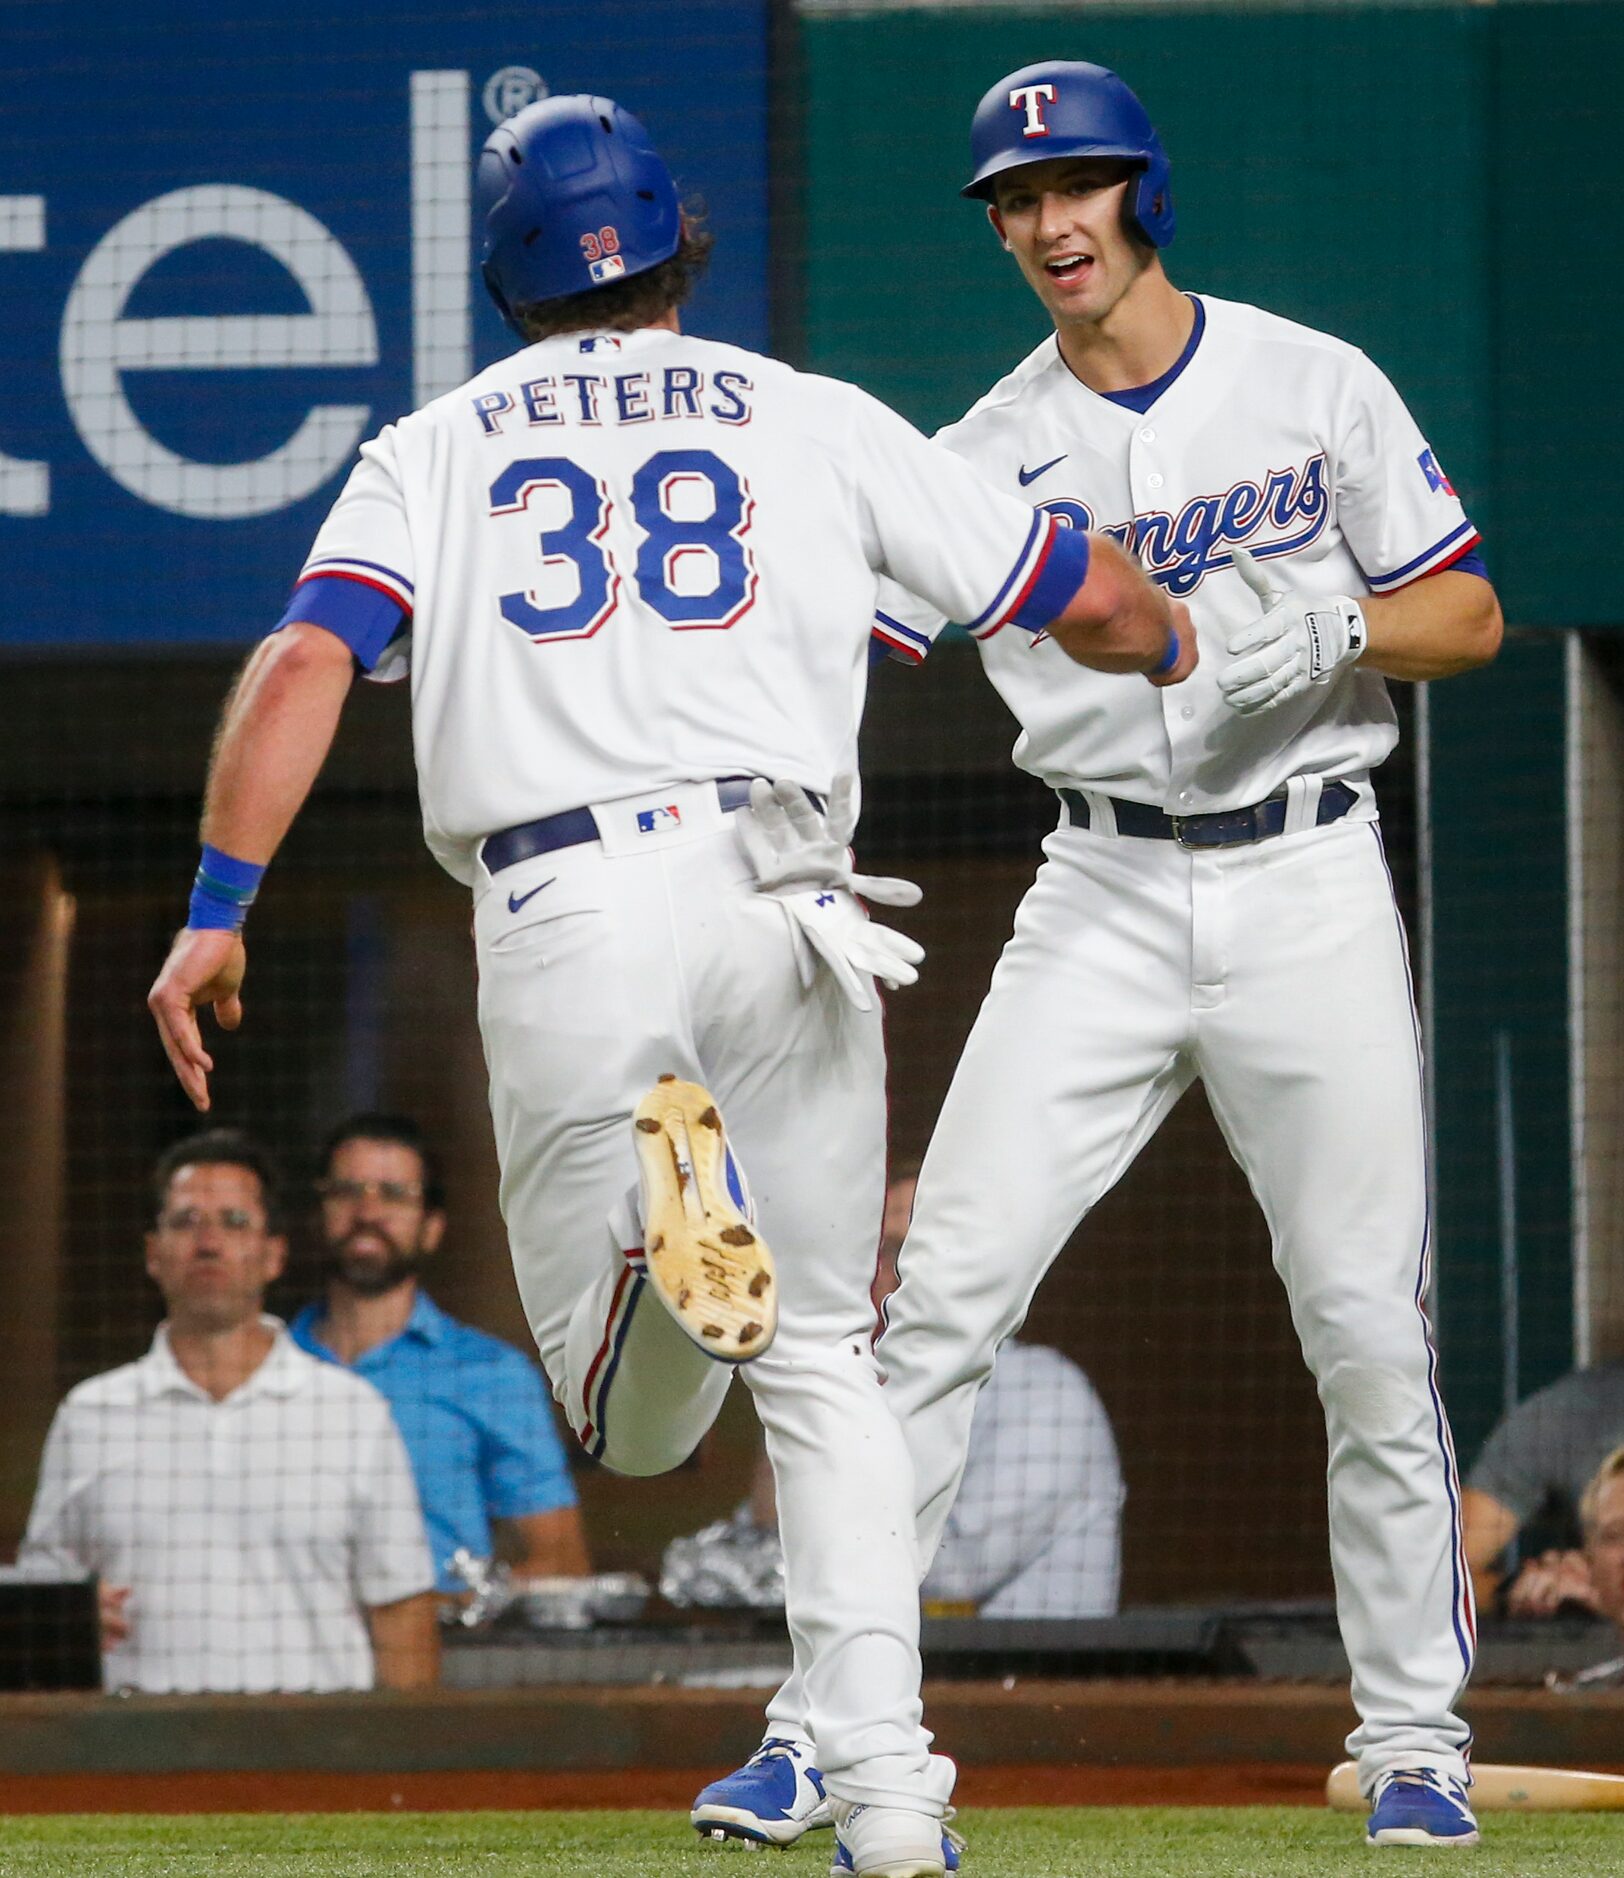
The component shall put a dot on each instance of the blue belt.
(572, 826)
(1228, 828)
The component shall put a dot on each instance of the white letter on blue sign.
(25, 488)
(99, 344)
(442, 315)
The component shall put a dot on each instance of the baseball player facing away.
(1214, 902)
(628, 572)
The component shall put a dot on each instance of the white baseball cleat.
(705, 1261)
(889, 1842)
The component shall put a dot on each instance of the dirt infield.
(661, 1789)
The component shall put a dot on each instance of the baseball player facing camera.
(1214, 901)
(631, 577)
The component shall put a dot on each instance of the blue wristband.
(1170, 657)
(222, 892)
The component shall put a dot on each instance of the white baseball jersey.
(618, 561)
(1271, 437)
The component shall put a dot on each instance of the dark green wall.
(1556, 266)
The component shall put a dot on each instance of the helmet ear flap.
(493, 288)
(1152, 201)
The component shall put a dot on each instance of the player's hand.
(1548, 1582)
(1293, 644)
(792, 847)
(202, 968)
(112, 1607)
(1188, 657)
(855, 948)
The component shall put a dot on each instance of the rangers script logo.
(1178, 551)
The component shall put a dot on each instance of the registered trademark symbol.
(510, 90)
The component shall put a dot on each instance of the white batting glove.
(1294, 644)
(791, 846)
(855, 948)
(802, 859)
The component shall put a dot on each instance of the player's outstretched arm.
(274, 736)
(1121, 621)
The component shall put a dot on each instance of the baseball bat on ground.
(1499, 1789)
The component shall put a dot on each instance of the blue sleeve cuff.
(366, 618)
(1062, 571)
(1469, 563)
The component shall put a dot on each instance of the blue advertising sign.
(237, 239)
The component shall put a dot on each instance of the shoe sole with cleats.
(708, 1265)
(1416, 1835)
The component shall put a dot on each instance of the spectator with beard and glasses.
(476, 1420)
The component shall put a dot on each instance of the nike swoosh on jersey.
(1025, 476)
(516, 900)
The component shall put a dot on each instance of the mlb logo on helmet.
(611, 267)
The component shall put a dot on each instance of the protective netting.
(257, 250)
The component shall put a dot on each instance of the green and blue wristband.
(222, 892)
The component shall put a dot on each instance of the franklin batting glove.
(1294, 644)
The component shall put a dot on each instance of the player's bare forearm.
(276, 730)
(1120, 621)
(551, 1545)
(274, 735)
(1487, 1529)
(1434, 628)
(406, 1642)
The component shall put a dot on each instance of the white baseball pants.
(601, 967)
(1277, 972)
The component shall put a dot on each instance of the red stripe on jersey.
(361, 580)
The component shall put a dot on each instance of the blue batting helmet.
(1067, 108)
(574, 196)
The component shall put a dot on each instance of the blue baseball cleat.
(775, 1798)
(1420, 1806)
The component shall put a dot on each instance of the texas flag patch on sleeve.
(1433, 471)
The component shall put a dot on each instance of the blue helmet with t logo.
(1068, 108)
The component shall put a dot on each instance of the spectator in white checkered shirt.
(250, 1512)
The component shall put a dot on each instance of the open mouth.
(1068, 269)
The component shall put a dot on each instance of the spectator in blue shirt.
(475, 1417)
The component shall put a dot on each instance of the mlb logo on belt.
(655, 821)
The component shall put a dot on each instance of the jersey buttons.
(1155, 479)
(1147, 435)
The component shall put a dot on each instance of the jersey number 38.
(693, 568)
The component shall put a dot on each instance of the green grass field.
(1025, 1842)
